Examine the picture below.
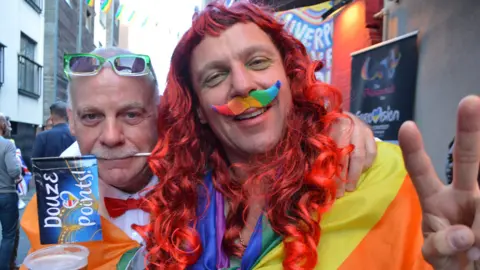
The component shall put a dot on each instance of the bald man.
(113, 115)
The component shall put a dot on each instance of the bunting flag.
(90, 3)
(131, 17)
(105, 5)
(106, 254)
(128, 14)
(119, 13)
(145, 22)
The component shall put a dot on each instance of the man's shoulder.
(55, 132)
(6, 144)
(43, 134)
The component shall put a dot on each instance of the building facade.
(106, 32)
(448, 63)
(21, 68)
(447, 49)
(69, 28)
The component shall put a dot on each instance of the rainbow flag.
(382, 217)
(90, 3)
(105, 5)
(145, 22)
(119, 13)
(132, 16)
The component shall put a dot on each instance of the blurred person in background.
(48, 124)
(51, 143)
(10, 172)
(24, 179)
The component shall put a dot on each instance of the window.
(2, 64)
(27, 46)
(30, 74)
(37, 5)
(69, 2)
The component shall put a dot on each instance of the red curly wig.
(300, 172)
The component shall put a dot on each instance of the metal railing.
(37, 5)
(30, 77)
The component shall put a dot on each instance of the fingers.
(417, 162)
(448, 242)
(357, 157)
(341, 183)
(341, 133)
(365, 151)
(371, 147)
(466, 152)
(476, 226)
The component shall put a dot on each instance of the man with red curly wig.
(247, 165)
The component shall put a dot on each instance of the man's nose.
(242, 81)
(112, 133)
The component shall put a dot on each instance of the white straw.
(142, 154)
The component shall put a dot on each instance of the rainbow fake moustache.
(255, 99)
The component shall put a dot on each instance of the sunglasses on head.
(86, 64)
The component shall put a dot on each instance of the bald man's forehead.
(109, 52)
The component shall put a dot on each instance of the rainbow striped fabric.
(105, 5)
(378, 226)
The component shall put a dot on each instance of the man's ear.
(71, 121)
(201, 116)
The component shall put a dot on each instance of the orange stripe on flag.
(395, 242)
(103, 254)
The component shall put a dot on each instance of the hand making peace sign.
(451, 214)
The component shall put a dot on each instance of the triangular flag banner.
(105, 5)
(120, 12)
(145, 22)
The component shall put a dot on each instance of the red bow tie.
(118, 207)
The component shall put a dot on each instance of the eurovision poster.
(306, 24)
(68, 199)
(384, 78)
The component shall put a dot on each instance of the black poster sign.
(383, 85)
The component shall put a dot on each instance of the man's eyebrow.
(244, 53)
(249, 51)
(219, 63)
